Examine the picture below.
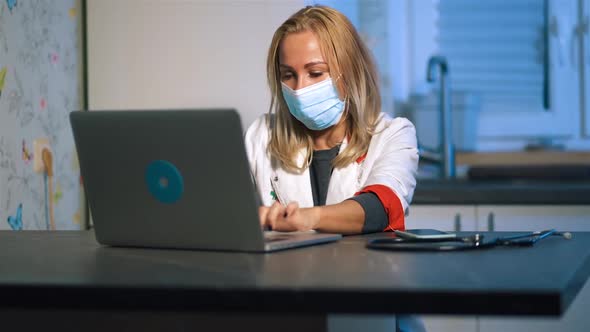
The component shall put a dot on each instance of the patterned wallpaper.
(40, 83)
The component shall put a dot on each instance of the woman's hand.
(346, 217)
(288, 218)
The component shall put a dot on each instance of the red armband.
(393, 207)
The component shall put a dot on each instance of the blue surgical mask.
(317, 106)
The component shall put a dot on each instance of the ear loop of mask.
(346, 105)
(346, 100)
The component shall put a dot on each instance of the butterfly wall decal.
(58, 194)
(16, 221)
(2, 78)
(11, 4)
(27, 155)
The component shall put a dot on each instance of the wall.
(40, 83)
(182, 53)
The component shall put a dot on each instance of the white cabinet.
(531, 218)
(435, 323)
(442, 217)
(575, 319)
(506, 218)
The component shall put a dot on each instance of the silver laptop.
(173, 179)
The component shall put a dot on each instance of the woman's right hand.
(288, 218)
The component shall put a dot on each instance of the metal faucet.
(445, 156)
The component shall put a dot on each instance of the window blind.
(496, 50)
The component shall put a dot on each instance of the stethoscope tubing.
(461, 243)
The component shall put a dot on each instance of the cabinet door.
(442, 217)
(575, 319)
(531, 218)
(439, 323)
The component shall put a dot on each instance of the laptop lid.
(175, 178)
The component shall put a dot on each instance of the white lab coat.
(392, 160)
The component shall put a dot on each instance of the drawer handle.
(457, 225)
(491, 226)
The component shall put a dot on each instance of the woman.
(325, 158)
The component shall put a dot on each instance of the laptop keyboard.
(270, 236)
(273, 236)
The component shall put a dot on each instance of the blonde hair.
(346, 55)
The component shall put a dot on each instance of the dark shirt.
(320, 172)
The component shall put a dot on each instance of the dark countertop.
(501, 192)
(68, 269)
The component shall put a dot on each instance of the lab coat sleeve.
(393, 169)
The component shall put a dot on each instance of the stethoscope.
(452, 242)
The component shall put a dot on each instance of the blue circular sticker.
(164, 181)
